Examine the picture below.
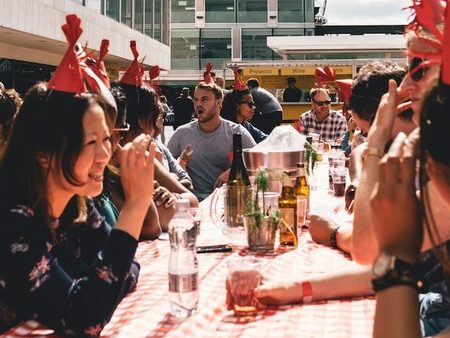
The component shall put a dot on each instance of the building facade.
(218, 31)
(33, 43)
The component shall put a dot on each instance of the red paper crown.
(428, 15)
(153, 81)
(327, 75)
(134, 73)
(68, 76)
(207, 73)
(239, 84)
(99, 66)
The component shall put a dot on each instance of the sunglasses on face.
(249, 103)
(416, 69)
(321, 103)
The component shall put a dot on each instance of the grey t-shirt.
(210, 156)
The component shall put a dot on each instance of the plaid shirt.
(332, 128)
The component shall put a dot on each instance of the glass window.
(309, 10)
(185, 48)
(148, 30)
(138, 15)
(220, 11)
(126, 12)
(254, 44)
(252, 10)
(288, 32)
(94, 5)
(291, 11)
(183, 11)
(215, 47)
(112, 9)
(157, 20)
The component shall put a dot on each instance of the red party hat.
(327, 75)
(134, 73)
(239, 84)
(99, 66)
(207, 73)
(68, 76)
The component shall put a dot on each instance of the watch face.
(381, 265)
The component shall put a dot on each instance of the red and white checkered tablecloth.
(145, 312)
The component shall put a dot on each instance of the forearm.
(364, 245)
(397, 313)
(131, 218)
(344, 239)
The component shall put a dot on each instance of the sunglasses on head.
(321, 103)
(416, 69)
(122, 131)
(249, 103)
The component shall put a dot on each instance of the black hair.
(51, 123)
(434, 142)
(371, 83)
(230, 102)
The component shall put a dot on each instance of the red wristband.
(307, 292)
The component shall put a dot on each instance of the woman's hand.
(136, 169)
(381, 129)
(279, 293)
(397, 222)
(162, 196)
(185, 157)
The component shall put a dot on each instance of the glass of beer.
(243, 277)
(339, 180)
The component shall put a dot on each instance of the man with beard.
(321, 119)
(211, 141)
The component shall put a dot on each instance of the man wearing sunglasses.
(321, 119)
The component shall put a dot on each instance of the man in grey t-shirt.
(211, 139)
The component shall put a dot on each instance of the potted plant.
(310, 158)
(261, 221)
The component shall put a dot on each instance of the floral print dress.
(70, 277)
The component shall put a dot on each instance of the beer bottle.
(287, 204)
(301, 191)
(237, 186)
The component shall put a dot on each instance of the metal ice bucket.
(272, 159)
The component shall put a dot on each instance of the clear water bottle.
(183, 263)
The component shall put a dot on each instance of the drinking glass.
(339, 180)
(243, 277)
(302, 204)
(196, 215)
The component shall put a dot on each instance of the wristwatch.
(388, 270)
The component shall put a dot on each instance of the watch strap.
(402, 279)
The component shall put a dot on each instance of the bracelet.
(372, 151)
(306, 292)
(332, 238)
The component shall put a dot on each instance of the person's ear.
(43, 160)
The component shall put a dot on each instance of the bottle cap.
(300, 165)
(183, 204)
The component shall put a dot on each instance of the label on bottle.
(287, 215)
(302, 206)
(183, 282)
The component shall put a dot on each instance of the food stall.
(273, 77)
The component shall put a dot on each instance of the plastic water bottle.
(183, 263)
